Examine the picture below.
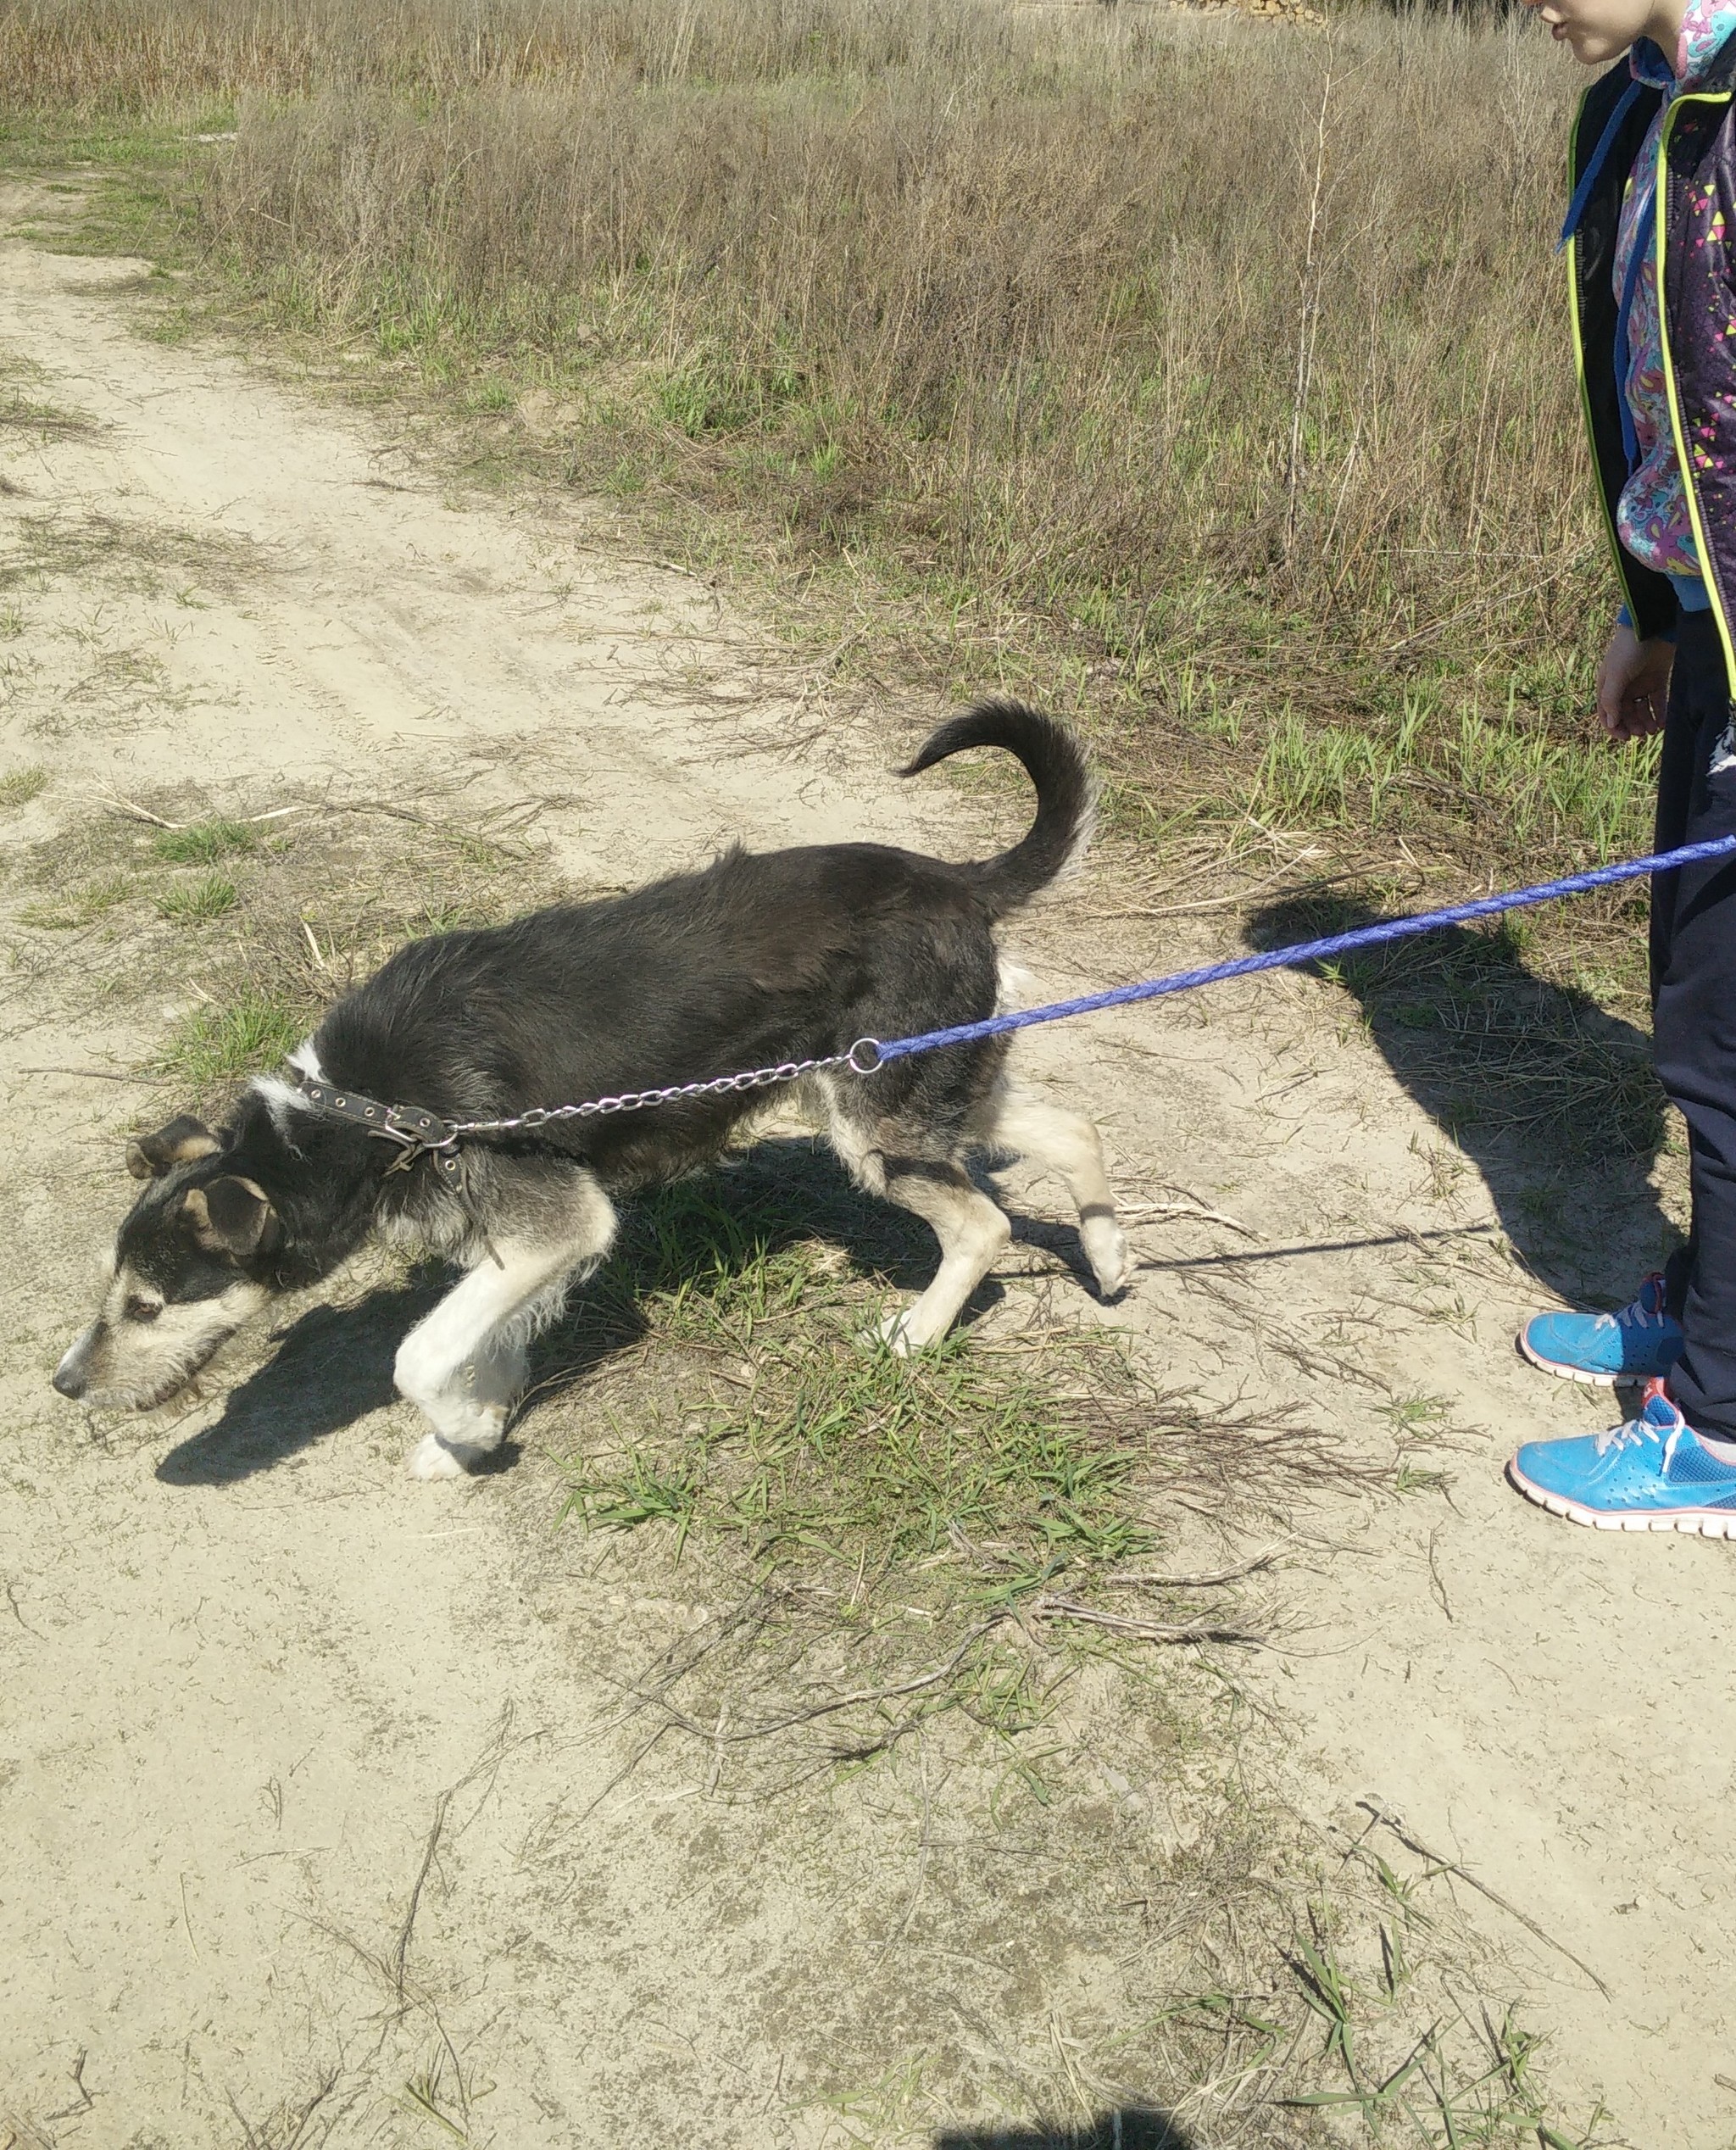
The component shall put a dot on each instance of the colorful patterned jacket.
(1694, 241)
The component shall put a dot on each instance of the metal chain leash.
(863, 1057)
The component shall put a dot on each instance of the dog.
(755, 960)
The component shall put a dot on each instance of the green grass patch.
(204, 843)
(23, 415)
(133, 181)
(216, 1045)
(838, 1450)
(842, 1449)
(196, 903)
(79, 907)
(18, 787)
(1548, 793)
(934, 1509)
(1461, 2092)
(989, 1468)
(710, 394)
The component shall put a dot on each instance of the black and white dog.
(755, 960)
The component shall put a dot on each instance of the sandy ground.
(285, 1747)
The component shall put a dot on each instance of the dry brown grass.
(131, 55)
(1212, 374)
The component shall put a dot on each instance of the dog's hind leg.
(465, 1364)
(1069, 1146)
(971, 1231)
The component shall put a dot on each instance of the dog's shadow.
(708, 1232)
(333, 1365)
(1140, 2127)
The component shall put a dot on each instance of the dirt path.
(310, 1774)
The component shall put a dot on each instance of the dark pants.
(1694, 1018)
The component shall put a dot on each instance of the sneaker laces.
(1646, 1428)
(1614, 1439)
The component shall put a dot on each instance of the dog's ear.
(150, 1155)
(231, 1216)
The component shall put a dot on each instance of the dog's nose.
(69, 1379)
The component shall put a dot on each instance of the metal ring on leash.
(864, 1045)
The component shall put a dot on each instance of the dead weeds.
(108, 554)
(312, 896)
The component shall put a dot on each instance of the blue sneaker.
(1654, 1473)
(1637, 1344)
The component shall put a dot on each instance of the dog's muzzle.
(72, 1377)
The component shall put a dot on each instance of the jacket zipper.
(1707, 567)
(1617, 553)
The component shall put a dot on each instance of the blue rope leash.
(1283, 959)
(1595, 163)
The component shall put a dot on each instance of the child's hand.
(1633, 685)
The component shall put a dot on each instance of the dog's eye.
(141, 1310)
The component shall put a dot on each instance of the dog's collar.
(416, 1133)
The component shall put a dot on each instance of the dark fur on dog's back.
(758, 959)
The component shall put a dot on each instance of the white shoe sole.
(1691, 1522)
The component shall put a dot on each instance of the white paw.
(461, 1422)
(1106, 1250)
(432, 1459)
(893, 1334)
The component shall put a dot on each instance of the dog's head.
(191, 1263)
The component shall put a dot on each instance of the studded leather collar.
(417, 1134)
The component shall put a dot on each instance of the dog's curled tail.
(1066, 795)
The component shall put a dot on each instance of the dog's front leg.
(463, 1365)
(971, 1230)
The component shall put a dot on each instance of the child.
(1653, 212)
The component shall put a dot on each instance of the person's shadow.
(332, 1365)
(1133, 2127)
(1551, 1097)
